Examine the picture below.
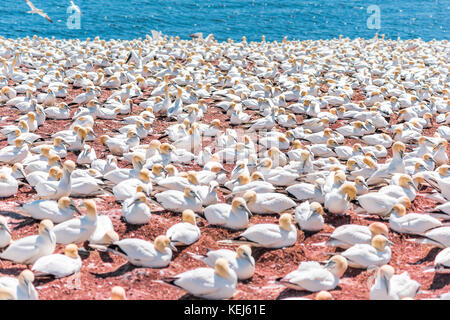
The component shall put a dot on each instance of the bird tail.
(42, 275)
(196, 256)
(170, 281)
(101, 248)
(320, 244)
(428, 269)
(424, 241)
(238, 241)
(163, 136)
(225, 190)
(324, 234)
(328, 253)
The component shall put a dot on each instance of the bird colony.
(162, 168)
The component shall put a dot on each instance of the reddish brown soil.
(100, 271)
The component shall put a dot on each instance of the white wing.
(30, 4)
(43, 14)
(57, 265)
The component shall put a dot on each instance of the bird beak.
(234, 181)
(249, 258)
(385, 282)
(153, 201)
(248, 211)
(329, 264)
(29, 287)
(437, 146)
(390, 242)
(5, 228)
(172, 247)
(311, 213)
(319, 187)
(133, 203)
(197, 196)
(22, 172)
(414, 186)
(74, 207)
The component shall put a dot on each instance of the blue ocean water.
(297, 19)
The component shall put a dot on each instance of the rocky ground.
(101, 271)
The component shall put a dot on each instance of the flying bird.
(38, 11)
(75, 7)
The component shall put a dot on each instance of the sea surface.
(296, 19)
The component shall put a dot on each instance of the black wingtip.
(129, 57)
(115, 247)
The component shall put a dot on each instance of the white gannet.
(177, 201)
(59, 265)
(396, 165)
(311, 276)
(308, 192)
(380, 204)
(78, 229)
(136, 210)
(241, 260)
(207, 283)
(8, 185)
(127, 188)
(16, 153)
(309, 216)
(57, 189)
(268, 235)
(27, 250)
(118, 293)
(347, 235)
(363, 256)
(38, 11)
(267, 203)
(56, 211)
(338, 201)
(184, 233)
(235, 216)
(5, 233)
(438, 237)
(21, 288)
(405, 187)
(442, 262)
(388, 286)
(139, 252)
(411, 223)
